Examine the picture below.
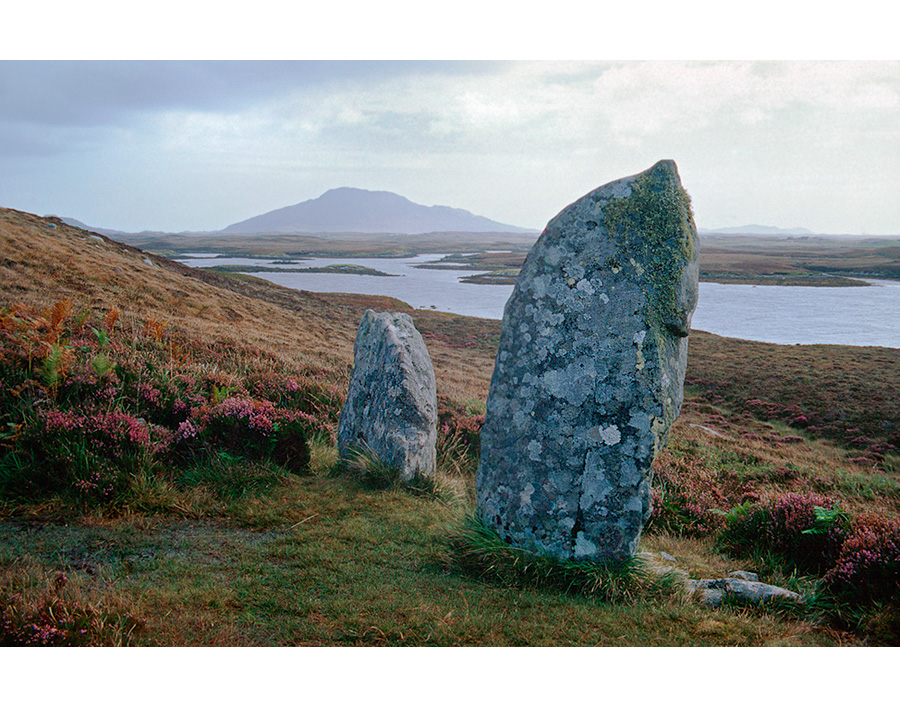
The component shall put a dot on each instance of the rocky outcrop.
(391, 408)
(590, 369)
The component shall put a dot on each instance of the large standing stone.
(590, 370)
(391, 408)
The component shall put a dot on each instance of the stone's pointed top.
(387, 318)
(667, 168)
(664, 170)
(665, 165)
(662, 175)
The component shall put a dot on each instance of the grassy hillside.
(168, 476)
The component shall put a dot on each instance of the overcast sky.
(167, 145)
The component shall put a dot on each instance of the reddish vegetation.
(88, 405)
(688, 495)
(839, 393)
(792, 527)
(62, 618)
(868, 567)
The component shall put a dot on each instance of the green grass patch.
(231, 478)
(480, 551)
(336, 564)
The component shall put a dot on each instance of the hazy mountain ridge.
(759, 230)
(350, 210)
(347, 210)
(84, 227)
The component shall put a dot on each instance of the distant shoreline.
(495, 259)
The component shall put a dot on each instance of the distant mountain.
(348, 210)
(78, 224)
(757, 230)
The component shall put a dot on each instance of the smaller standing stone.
(391, 408)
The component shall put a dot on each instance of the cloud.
(98, 92)
(511, 140)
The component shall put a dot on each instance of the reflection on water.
(421, 288)
(859, 316)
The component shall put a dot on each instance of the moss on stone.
(656, 224)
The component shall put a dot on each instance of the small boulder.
(743, 574)
(391, 408)
(714, 591)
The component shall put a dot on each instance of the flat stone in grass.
(391, 408)
(590, 370)
(739, 589)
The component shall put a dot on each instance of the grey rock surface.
(590, 370)
(391, 407)
(714, 591)
(743, 574)
(739, 586)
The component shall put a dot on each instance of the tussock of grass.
(374, 474)
(323, 456)
(454, 457)
(231, 478)
(480, 552)
(369, 470)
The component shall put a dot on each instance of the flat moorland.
(798, 260)
(737, 260)
(168, 476)
(333, 245)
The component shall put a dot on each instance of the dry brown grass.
(844, 394)
(44, 261)
(736, 447)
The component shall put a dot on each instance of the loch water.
(856, 316)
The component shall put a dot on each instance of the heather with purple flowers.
(460, 427)
(93, 409)
(257, 429)
(92, 454)
(806, 529)
(186, 430)
(868, 567)
(45, 613)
